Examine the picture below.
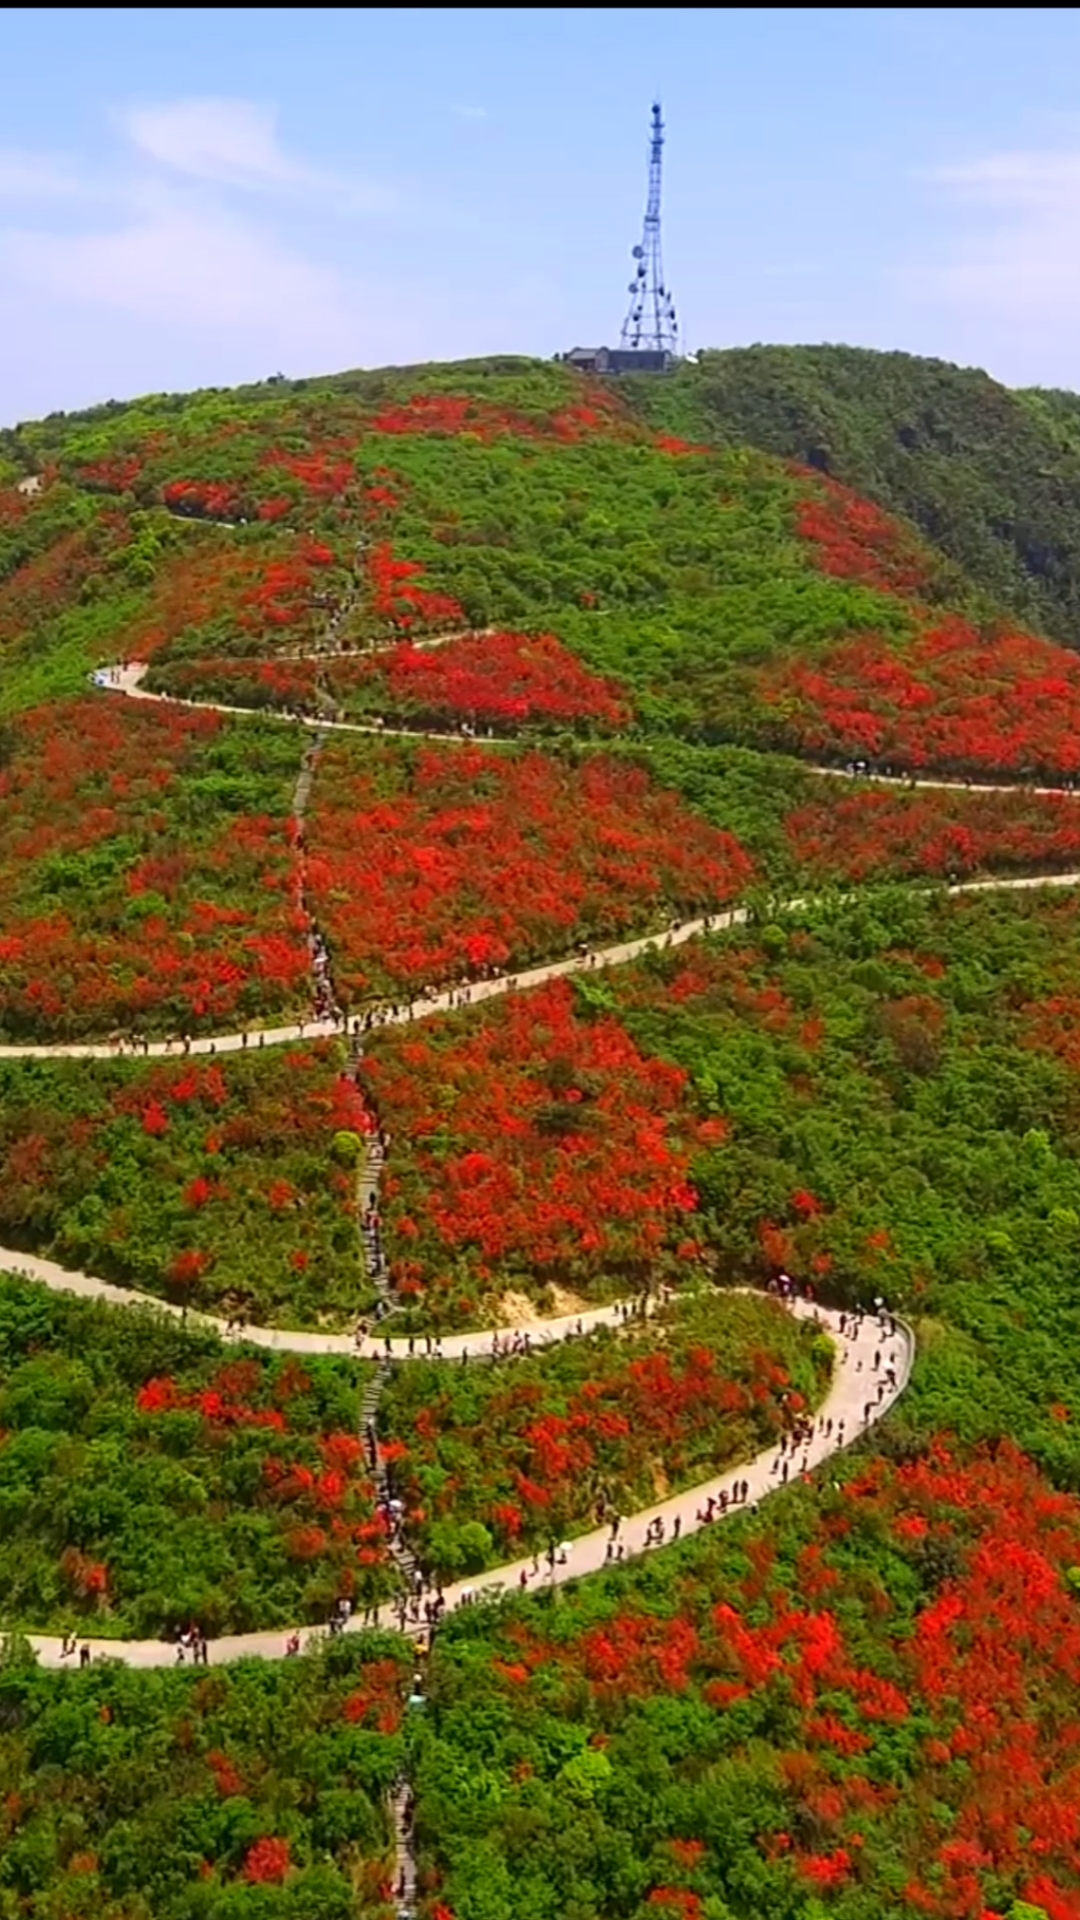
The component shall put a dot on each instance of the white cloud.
(1032, 180)
(232, 141)
(1016, 254)
(470, 113)
(235, 143)
(162, 241)
(189, 267)
(202, 249)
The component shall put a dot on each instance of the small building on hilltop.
(616, 360)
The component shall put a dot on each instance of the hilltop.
(472, 848)
(990, 476)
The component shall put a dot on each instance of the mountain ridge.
(990, 475)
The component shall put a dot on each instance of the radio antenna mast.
(651, 322)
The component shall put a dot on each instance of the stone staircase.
(404, 1850)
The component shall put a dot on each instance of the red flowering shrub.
(953, 700)
(915, 1725)
(855, 540)
(503, 680)
(541, 1147)
(400, 601)
(875, 832)
(267, 1862)
(660, 1404)
(498, 680)
(436, 863)
(378, 1701)
(128, 900)
(227, 1780)
(455, 414)
(217, 596)
(88, 1578)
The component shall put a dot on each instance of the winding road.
(851, 1406)
(858, 1395)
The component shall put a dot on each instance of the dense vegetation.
(990, 476)
(862, 1702)
(882, 1092)
(429, 862)
(252, 1792)
(225, 1183)
(150, 1478)
(500, 1460)
(518, 498)
(863, 1698)
(894, 1092)
(532, 1151)
(146, 872)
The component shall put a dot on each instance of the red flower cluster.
(203, 499)
(504, 680)
(399, 600)
(984, 1692)
(539, 1141)
(223, 1402)
(315, 1483)
(857, 541)
(119, 472)
(440, 863)
(879, 831)
(457, 414)
(953, 699)
(114, 898)
(88, 1578)
(237, 596)
(226, 1777)
(378, 1702)
(652, 1406)
(267, 1862)
(326, 472)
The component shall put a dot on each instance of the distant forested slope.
(991, 476)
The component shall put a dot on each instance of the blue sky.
(202, 196)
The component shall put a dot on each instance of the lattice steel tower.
(650, 323)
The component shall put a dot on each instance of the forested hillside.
(992, 477)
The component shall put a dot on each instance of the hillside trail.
(128, 679)
(845, 1409)
(859, 1395)
(334, 649)
(474, 992)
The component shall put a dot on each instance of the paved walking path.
(58, 1279)
(854, 1384)
(938, 782)
(129, 678)
(464, 993)
(471, 993)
